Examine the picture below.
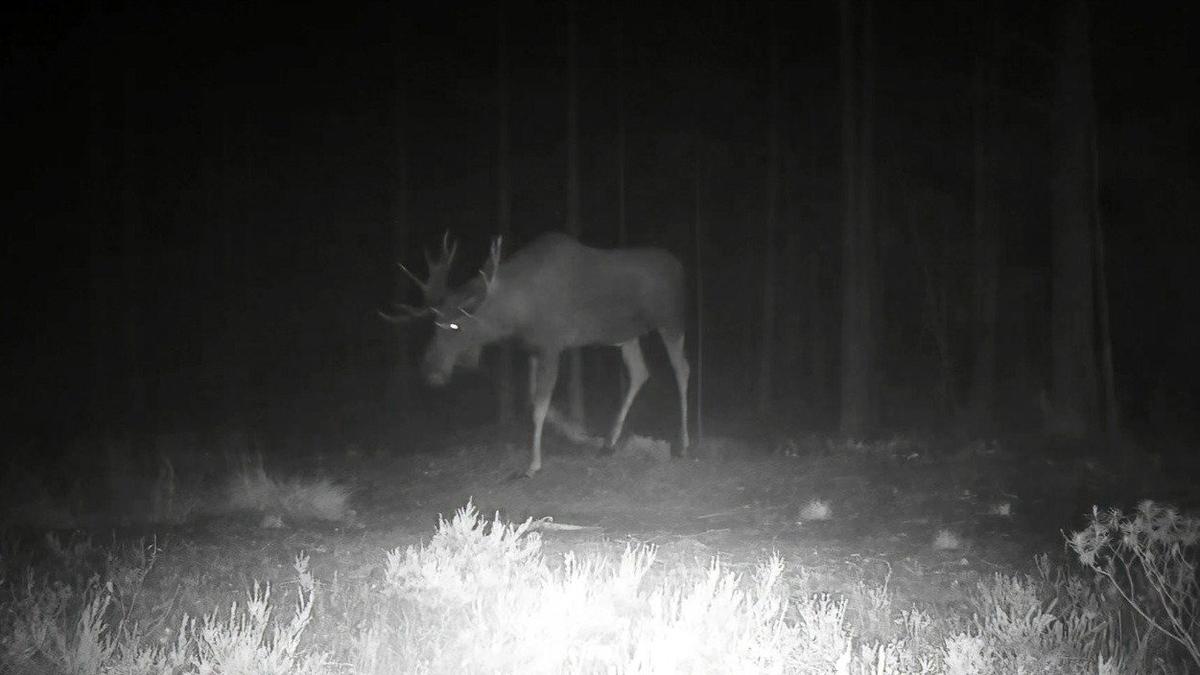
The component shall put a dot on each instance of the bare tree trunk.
(399, 390)
(223, 350)
(211, 321)
(820, 327)
(869, 241)
(132, 256)
(100, 260)
(858, 272)
(986, 243)
(793, 348)
(851, 383)
(574, 356)
(505, 397)
(1075, 407)
(1112, 411)
(622, 231)
(622, 224)
(818, 332)
(933, 261)
(698, 275)
(766, 351)
(247, 378)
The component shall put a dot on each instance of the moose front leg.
(543, 374)
(679, 363)
(635, 363)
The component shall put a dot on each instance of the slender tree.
(101, 287)
(699, 276)
(132, 230)
(851, 382)
(574, 356)
(505, 408)
(873, 323)
(1074, 402)
(820, 327)
(766, 352)
(859, 280)
(985, 238)
(622, 231)
(236, 170)
(792, 348)
(1112, 411)
(820, 331)
(622, 222)
(400, 377)
(698, 235)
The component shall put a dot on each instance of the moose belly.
(615, 330)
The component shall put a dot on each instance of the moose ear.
(472, 303)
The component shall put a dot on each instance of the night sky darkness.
(204, 194)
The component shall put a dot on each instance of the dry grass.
(252, 489)
(484, 595)
(481, 597)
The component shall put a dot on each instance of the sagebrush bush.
(1148, 559)
(498, 607)
(481, 596)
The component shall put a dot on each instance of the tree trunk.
(698, 275)
(399, 387)
(1112, 410)
(1074, 405)
(622, 226)
(868, 240)
(99, 208)
(766, 351)
(858, 275)
(574, 356)
(131, 257)
(985, 248)
(792, 347)
(229, 315)
(505, 396)
(818, 334)
(851, 384)
(820, 330)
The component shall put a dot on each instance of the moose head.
(462, 324)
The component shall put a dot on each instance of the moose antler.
(488, 272)
(433, 288)
(406, 313)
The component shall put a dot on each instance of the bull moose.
(551, 295)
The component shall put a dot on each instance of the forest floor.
(923, 518)
(888, 526)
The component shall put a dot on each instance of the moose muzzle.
(437, 366)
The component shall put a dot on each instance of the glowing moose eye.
(452, 326)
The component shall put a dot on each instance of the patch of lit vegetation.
(481, 596)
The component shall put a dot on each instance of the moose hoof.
(606, 450)
(527, 473)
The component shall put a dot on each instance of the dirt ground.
(924, 520)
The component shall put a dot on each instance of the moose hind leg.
(674, 345)
(543, 373)
(635, 363)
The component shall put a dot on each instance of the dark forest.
(207, 203)
(910, 288)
